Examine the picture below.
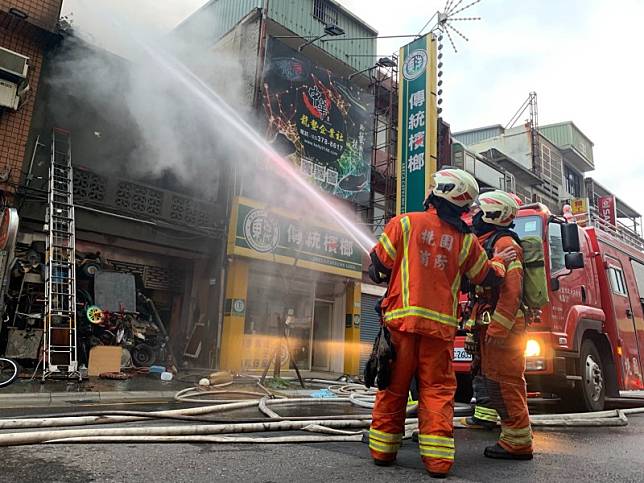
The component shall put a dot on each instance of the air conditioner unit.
(9, 95)
(13, 78)
(13, 66)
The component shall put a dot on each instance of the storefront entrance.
(305, 305)
(322, 335)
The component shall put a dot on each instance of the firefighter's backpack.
(535, 282)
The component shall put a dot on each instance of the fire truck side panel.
(637, 302)
(623, 291)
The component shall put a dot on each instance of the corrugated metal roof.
(217, 17)
(297, 16)
(475, 136)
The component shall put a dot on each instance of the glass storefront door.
(322, 335)
(273, 298)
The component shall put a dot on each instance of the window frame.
(561, 258)
(325, 12)
(618, 287)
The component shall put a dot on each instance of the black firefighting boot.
(498, 452)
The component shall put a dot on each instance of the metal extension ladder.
(60, 355)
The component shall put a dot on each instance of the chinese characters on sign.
(321, 122)
(263, 233)
(417, 111)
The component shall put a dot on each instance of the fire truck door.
(626, 328)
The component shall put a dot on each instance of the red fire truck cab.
(589, 342)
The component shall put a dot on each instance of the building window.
(573, 182)
(325, 12)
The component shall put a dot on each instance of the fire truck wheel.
(593, 381)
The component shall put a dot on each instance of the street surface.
(581, 454)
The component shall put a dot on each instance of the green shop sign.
(417, 123)
(264, 233)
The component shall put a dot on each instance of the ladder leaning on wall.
(60, 355)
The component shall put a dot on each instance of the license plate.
(461, 356)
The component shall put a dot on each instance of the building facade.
(27, 28)
(289, 271)
(549, 165)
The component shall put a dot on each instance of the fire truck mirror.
(570, 237)
(574, 260)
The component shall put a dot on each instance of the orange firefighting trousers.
(503, 370)
(431, 360)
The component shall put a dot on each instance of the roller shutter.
(369, 325)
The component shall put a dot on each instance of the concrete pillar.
(232, 335)
(352, 329)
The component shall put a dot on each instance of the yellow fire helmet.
(456, 186)
(498, 207)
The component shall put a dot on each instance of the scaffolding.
(382, 202)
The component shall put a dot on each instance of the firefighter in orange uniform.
(424, 255)
(503, 334)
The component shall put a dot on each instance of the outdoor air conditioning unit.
(13, 78)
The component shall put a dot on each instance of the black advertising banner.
(322, 123)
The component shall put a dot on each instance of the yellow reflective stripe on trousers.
(516, 437)
(465, 249)
(434, 446)
(440, 453)
(383, 447)
(422, 312)
(404, 222)
(388, 246)
(485, 414)
(514, 266)
(477, 267)
(384, 442)
(504, 321)
(385, 437)
(431, 439)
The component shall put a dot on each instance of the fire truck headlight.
(532, 348)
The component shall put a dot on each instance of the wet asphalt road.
(582, 454)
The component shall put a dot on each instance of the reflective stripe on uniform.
(499, 265)
(384, 442)
(515, 265)
(516, 437)
(504, 321)
(465, 249)
(486, 414)
(434, 446)
(385, 437)
(388, 246)
(474, 272)
(422, 312)
(404, 222)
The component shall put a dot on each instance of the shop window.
(557, 254)
(272, 299)
(325, 12)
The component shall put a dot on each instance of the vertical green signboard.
(417, 123)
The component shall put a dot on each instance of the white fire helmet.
(456, 186)
(498, 207)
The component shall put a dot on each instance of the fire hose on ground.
(338, 428)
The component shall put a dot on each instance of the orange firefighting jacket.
(427, 258)
(503, 302)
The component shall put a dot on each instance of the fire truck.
(588, 344)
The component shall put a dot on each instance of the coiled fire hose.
(338, 428)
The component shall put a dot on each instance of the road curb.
(54, 399)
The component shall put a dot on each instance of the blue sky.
(582, 57)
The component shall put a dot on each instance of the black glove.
(377, 371)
